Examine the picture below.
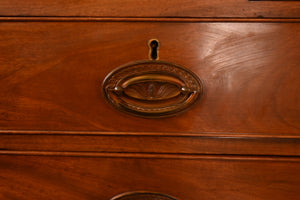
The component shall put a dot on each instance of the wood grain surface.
(51, 74)
(214, 144)
(145, 19)
(102, 177)
(60, 139)
(154, 8)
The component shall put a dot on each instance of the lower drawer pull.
(141, 195)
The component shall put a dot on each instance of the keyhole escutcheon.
(153, 49)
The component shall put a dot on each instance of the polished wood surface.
(184, 177)
(60, 139)
(51, 77)
(173, 143)
(143, 19)
(155, 8)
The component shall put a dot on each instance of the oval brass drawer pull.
(152, 88)
(140, 195)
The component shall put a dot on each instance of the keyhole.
(153, 49)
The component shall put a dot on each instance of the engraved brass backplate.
(140, 195)
(152, 88)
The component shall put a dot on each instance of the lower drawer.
(186, 177)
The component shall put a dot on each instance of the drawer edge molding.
(151, 144)
(174, 8)
(154, 156)
(147, 19)
(167, 134)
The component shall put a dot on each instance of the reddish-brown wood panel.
(51, 75)
(155, 8)
(233, 144)
(187, 178)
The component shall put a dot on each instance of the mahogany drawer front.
(51, 75)
(184, 177)
(145, 8)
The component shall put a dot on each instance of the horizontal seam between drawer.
(155, 155)
(141, 19)
(160, 134)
